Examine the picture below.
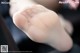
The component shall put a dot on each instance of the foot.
(43, 26)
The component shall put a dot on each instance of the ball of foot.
(43, 26)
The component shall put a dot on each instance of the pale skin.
(40, 24)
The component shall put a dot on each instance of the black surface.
(5, 36)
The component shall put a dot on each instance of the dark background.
(25, 44)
